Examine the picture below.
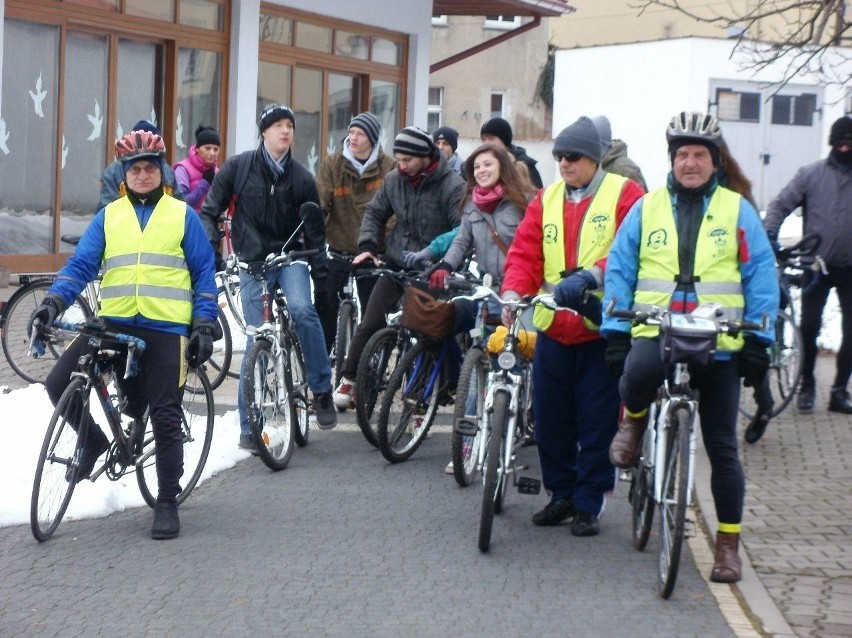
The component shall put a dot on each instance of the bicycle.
(276, 388)
(664, 475)
(132, 448)
(348, 316)
(785, 354)
(228, 355)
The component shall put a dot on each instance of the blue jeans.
(295, 282)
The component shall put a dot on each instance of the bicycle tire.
(343, 337)
(493, 461)
(16, 342)
(642, 503)
(298, 376)
(377, 363)
(272, 417)
(470, 388)
(236, 328)
(220, 360)
(52, 486)
(674, 501)
(785, 368)
(409, 404)
(197, 426)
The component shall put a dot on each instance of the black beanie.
(368, 123)
(415, 142)
(207, 135)
(272, 113)
(499, 128)
(145, 125)
(841, 130)
(449, 135)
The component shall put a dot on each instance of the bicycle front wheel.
(197, 428)
(271, 412)
(56, 470)
(493, 462)
(298, 390)
(409, 404)
(674, 499)
(15, 340)
(378, 361)
(470, 399)
(345, 329)
(642, 503)
(220, 360)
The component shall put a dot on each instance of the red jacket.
(525, 261)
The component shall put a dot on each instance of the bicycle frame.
(678, 395)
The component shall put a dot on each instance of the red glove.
(436, 280)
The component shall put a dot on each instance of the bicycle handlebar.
(655, 316)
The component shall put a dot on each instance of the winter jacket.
(422, 213)
(475, 235)
(189, 176)
(525, 263)
(344, 196)
(456, 164)
(266, 213)
(824, 191)
(520, 155)
(616, 161)
(757, 266)
(112, 183)
(84, 264)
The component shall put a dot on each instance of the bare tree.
(805, 37)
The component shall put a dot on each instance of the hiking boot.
(555, 512)
(325, 409)
(585, 524)
(95, 445)
(726, 564)
(839, 401)
(166, 522)
(625, 445)
(344, 395)
(247, 443)
(806, 397)
(757, 426)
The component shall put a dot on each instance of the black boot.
(166, 522)
(757, 426)
(806, 397)
(839, 401)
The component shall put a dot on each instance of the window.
(434, 107)
(199, 73)
(497, 104)
(737, 106)
(502, 22)
(797, 110)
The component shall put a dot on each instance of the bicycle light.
(507, 360)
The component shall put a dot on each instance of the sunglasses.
(568, 157)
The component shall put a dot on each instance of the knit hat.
(272, 113)
(207, 135)
(415, 142)
(145, 125)
(841, 130)
(499, 128)
(581, 137)
(601, 123)
(449, 135)
(368, 123)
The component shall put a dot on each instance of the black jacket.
(266, 212)
(520, 154)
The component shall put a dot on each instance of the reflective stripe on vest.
(145, 272)
(716, 259)
(597, 231)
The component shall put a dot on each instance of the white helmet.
(703, 128)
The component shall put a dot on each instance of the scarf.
(356, 163)
(486, 199)
(416, 180)
(279, 168)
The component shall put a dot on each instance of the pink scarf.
(486, 199)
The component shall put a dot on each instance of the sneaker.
(166, 522)
(555, 512)
(757, 427)
(326, 414)
(247, 443)
(449, 468)
(839, 401)
(806, 397)
(96, 444)
(585, 524)
(344, 396)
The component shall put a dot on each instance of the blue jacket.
(759, 277)
(84, 264)
(113, 176)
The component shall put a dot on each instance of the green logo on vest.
(658, 238)
(551, 234)
(719, 237)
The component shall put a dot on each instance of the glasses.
(568, 157)
(148, 168)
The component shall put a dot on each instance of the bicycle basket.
(687, 339)
(424, 314)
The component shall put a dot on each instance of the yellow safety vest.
(716, 270)
(145, 272)
(597, 231)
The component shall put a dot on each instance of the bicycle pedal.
(527, 485)
(465, 426)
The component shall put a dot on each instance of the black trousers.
(813, 302)
(158, 386)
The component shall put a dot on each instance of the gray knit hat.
(601, 123)
(368, 123)
(581, 137)
(415, 142)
